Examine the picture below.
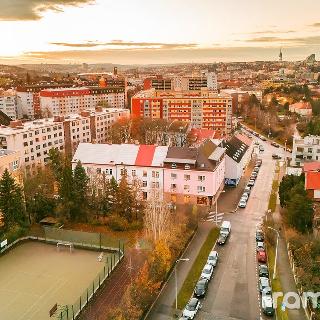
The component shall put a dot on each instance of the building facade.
(202, 109)
(305, 149)
(34, 139)
(11, 161)
(180, 175)
(64, 101)
(8, 104)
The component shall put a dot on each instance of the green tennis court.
(34, 276)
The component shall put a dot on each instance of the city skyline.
(136, 32)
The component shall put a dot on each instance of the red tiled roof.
(145, 155)
(311, 166)
(203, 134)
(313, 180)
(301, 105)
(246, 140)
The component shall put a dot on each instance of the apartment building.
(34, 139)
(181, 175)
(203, 109)
(206, 79)
(64, 101)
(305, 149)
(28, 99)
(8, 104)
(11, 161)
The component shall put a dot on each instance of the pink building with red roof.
(181, 175)
(312, 184)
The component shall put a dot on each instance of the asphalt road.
(233, 292)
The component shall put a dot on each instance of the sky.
(163, 31)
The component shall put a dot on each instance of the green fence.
(72, 311)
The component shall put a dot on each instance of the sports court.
(34, 276)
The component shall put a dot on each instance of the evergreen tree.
(65, 192)
(56, 163)
(124, 200)
(79, 191)
(109, 198)
(11, 200)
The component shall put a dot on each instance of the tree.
(300, 212)
(286, 185)
(11, 200)
(56, 163)
(157, 217)
(79, 190)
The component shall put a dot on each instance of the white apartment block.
(34, 139)
(8, 104)
(305, 149)
(64, 101)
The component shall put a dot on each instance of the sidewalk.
(284, 270)
(163, 308)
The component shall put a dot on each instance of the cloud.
(309, 40)
(13, 10)
(122, 44)
(315, 25)
(271, 32)
(160, 56)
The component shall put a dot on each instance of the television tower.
(280, 55)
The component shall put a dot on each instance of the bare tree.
(157, 217)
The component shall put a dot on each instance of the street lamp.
(176, 278)
(275, 259)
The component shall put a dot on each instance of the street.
(233, 292)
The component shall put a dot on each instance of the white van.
(225, 228)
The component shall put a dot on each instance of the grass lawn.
(195, 272)
(276, 284)
(273, 196)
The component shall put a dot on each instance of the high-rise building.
(202, 109)
(8, 104)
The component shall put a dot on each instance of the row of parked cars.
(201, 288)
(247, 190)
(264, 282)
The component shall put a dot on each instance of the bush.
(117, 223)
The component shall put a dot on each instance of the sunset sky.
(163, 31)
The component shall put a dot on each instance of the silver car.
(207, 272)
(191, 308)
(213, 258)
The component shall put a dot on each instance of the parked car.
(192, 308)
(213, 258)
(245, 196)
(275, 156)
(207, 272)
(247, 189)
(254, 175)
(242, 203)
(222, 239)
(263, 138)
(256, 142)
(263, 271)
(262, 256)
(274, 144)
(267, 306)
(259, 235)
(256, 169)
(266, 292)
(259, 162)
(201, 288)
(260, 246)
(251, 183)
(263, 283)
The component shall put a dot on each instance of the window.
(173, 186)
(144, 195)
(201, 178)
(123, 171)
(310, 150)
(186, 187)
(173, 176)
(201, 189)
(133, 172)
(98, 170)
(155, 174)
(145, 173)
(144, 183)
(187, 177)
(25, 144)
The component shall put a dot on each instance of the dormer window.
(187, 167)
(173, 165)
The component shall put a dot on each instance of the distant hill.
(11, 69)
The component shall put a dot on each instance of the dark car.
(222, 239)
(263, 271)
(259, 236)
(201, 288)
(275, 144)
(276, 156)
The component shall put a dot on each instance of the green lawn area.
(273, 196)
(276, 284)
(195, 272)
